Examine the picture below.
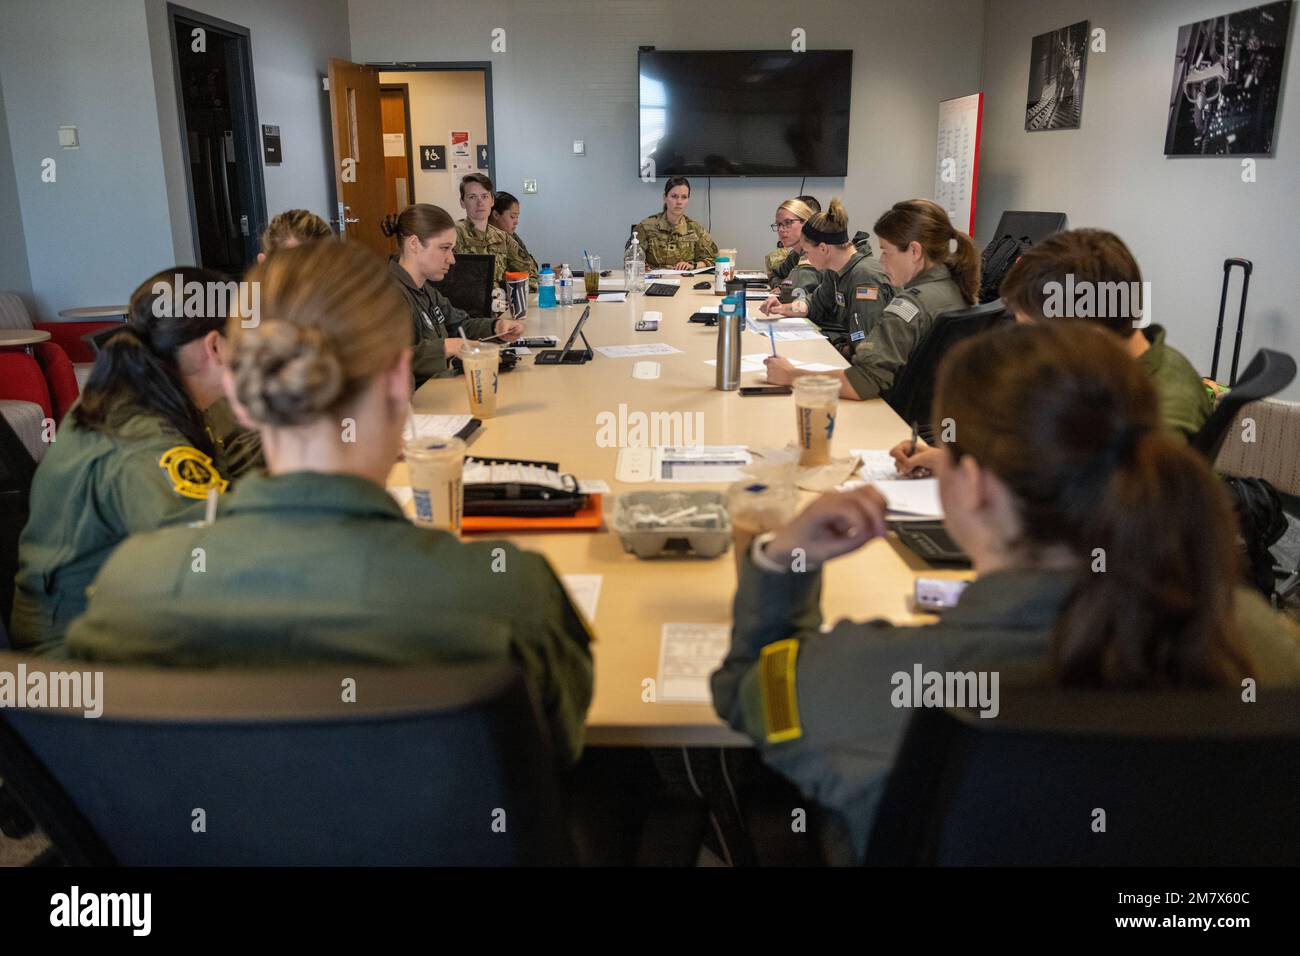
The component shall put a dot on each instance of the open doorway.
(219, 137)
(425, 106)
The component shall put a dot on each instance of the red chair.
(59, 376)
(22, 379)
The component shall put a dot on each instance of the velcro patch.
(780, 697)
(904, 309)
(839, 298)
(867, 293)
(857, 336)
(191, 472)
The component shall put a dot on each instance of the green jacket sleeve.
(428, 356)
(706, 250)
(139, 490)
(239, 449)
(558, 661)
(886, 349)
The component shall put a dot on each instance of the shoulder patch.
(867, 293)
(780, 696)
(191, 472)
(839, 298)
(904, 309)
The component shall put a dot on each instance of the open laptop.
(468, 284)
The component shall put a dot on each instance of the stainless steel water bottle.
(730, 325)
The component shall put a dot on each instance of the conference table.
(551, 413)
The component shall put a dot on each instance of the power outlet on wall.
(530, 185)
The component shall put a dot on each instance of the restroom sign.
(433, 157)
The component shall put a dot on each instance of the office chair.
(441, 765)
(1183, 778)
(913, 391)
(1267, 374)
(468, 284)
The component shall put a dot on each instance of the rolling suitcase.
(1246, 268)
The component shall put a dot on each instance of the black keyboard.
(661, 288)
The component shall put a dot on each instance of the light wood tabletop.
(551, 413)
(17, 337)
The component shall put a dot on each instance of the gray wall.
(14, 273)
(292, 42)
(103, 225)
(118, 210)
(569, 72)
(1183, 216)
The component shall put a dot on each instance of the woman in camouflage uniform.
(673, 240)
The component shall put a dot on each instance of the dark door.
(218, 123)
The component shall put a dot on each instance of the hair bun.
(286, 373)
(388, 225)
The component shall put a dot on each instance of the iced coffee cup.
(756, 507)
(436, 467)
(816, 398)
(480, 361)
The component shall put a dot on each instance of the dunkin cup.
(816, 397)
(480, 361)
(435, 467)
(731, 265)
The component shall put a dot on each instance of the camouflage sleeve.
(518, 261)
(706, 250)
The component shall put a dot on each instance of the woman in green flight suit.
(133, 452)
(314, 561)
(426, 236)
(1103, 477)
(846, 304)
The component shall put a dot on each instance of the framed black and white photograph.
(1056, 66)
(1227, 79)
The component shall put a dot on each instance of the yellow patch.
(780, 698)
(191, 472)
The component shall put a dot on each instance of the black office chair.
(913, 391)
(443, 765)
(468, 284)
(1184, 779)
(1267, 374)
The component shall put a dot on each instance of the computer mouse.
(704, 285)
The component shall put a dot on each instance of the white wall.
(14, 273)
(569, 72)
(102, 226)
(440, 102)
(1183, 216)
(118, 209)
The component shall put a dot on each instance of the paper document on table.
(752, 276)
(707, 310)
(433, 426)
(661, 280)
(612, 297)
(701, 463)
(612, 282)
(688, 654)
(750, 362)
(633, 351)
(912, 496)
(584, 591)
(816, 366)
(877, 465)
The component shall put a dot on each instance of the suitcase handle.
(1247, 267)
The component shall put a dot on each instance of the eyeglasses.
(784, 224)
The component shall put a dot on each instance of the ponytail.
(422, 220)
(964, 266)
(136, 369)
(1150, 528)
(927, 224)
(830, 226)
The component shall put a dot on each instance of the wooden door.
(358, 155)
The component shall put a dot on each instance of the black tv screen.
(744, 112)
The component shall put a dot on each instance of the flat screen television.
(744, 112)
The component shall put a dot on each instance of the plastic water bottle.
(546, 287)
(566, 285)
(634, 267)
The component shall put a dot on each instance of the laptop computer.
(468, 284)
